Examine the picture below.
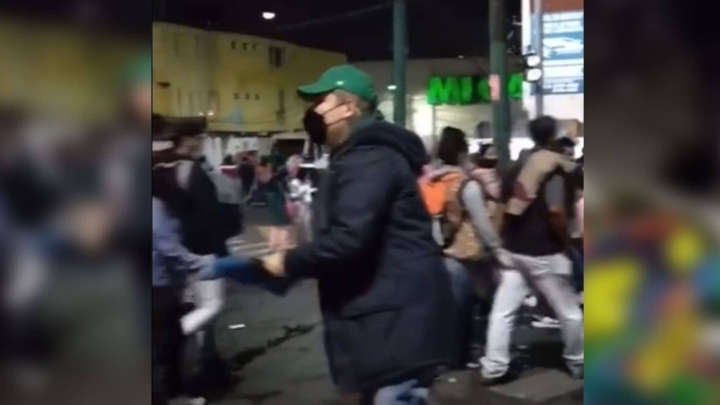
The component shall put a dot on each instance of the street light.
(533, 70)
(268, 15)
(533, 75)
(533, 60)
(391, 87)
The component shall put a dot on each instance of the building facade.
(242, 84)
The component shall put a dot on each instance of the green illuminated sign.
(463, 90)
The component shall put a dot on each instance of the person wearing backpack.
(464, 231)
(204, 231)
(486, 173)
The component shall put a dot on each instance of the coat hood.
(406, 143)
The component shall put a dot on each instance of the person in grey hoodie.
(470, 277)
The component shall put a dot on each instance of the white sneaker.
(183, 400)
(545, 322)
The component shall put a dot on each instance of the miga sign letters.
(463, 90)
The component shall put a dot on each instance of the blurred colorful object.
(651, 285)
(610, 286)
(707, 284)
(685, 248)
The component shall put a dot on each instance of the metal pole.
(498, 71)
(399, 62)
(538, 45)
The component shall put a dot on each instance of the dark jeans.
(464, 285)
(167, 343)
(409, 392)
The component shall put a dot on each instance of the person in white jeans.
(537, 239)
(550, 276)
(209, 299)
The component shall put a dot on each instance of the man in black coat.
(384, 294)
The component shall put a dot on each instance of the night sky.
(436, 28)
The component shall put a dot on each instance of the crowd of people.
(408, 247)
(197, 209)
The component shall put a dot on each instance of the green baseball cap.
(139, 72)
(343, 77)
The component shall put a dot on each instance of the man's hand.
(274, 264)
(504, 258)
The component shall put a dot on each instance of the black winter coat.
(384, 293)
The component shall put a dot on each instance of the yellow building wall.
(61, 70)
(232, 81)
(181, 70)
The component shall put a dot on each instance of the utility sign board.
(563, 52)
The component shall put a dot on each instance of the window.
(233, 45)
(254, 47)
(237, 96)
(245, 46)
(247, 96)
(276, 56)
(257, 96)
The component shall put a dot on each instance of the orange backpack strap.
(433, 194)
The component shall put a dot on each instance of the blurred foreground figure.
(127, 168)
(27, 201)
(384, 293)
(653, 276)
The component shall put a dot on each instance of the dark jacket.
(202, 217)
(384, 293)
(532, 233)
